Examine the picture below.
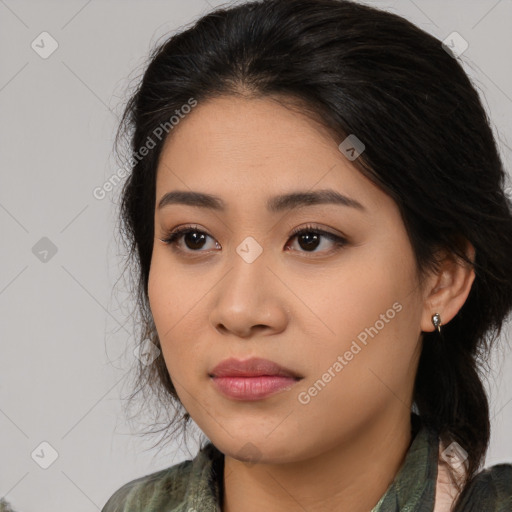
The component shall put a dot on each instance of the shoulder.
(163, 488)
(489, 490)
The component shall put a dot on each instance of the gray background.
(66, 342)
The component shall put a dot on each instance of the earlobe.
(449, 290)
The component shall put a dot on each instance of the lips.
(253, 367)
(252, 379)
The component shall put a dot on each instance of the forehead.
(241, 148)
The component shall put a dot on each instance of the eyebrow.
(275, 204)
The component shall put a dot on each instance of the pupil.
(195, 237)
(311, 241)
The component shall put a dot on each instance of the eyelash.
(174, 236)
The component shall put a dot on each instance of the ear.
(447, 290)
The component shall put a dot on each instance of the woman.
(323, 247)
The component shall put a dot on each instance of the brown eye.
(310, 238)
(193, 238)
(309, 241)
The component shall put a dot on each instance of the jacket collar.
(412, 490)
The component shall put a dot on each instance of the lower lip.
(252, 388)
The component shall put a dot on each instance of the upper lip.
(252, 367)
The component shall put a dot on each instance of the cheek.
(365, 288)
(372, 313)
(167, 301)
(175, 307)
(169, 291)
(376, 340)
(161, 293)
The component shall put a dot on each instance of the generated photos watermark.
(159, 133)
(304, 397)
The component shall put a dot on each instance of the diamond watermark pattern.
(44, 249)
(351, 147)
(44, 45)
(249, 249)
(146, 352)
(45, 455)
(455, 44)
(455, 455)
(249, 453)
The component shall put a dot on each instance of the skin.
(299, 307)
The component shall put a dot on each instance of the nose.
(249, 300)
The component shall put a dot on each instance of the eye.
(193, 237)
(309, 239)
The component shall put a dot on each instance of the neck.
(352, 475)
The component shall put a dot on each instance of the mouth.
(253, 367)
(252, 379)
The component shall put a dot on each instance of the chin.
(256, 448)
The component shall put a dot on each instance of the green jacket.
(196, 485)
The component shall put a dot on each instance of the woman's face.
(343, 314)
